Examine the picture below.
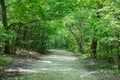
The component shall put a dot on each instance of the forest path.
(58, 65)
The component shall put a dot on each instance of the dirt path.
(59, 65)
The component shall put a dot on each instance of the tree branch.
(20, 23)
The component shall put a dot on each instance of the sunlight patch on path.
(61, 58)
(44, 61)
(89, 73)
(20, 70)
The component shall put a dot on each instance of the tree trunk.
(5, 24)
(94, 40)
(118, 52)
(94, 48)
(118, 48)
(42, 46)
(78, 40)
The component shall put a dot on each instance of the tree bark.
(78, 40)
(118, 58)
(118, 48)
(5, 24)
(94, 48)
(94, 40)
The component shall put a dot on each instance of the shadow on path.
(58, 65)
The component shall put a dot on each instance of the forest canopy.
(86, 26)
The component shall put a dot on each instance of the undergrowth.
(117, 72)
(5, 61)
(82, 56)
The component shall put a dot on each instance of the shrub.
(5, 62)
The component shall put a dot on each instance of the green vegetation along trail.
(58, 65)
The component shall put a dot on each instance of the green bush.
(83, 56)
(116, 72)
(5, 62)
(103, 66)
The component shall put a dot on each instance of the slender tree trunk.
(94, 48)
(118, 58)
(118, 48)
(5, 24)
(81, 44)
(78, 40)
(42, 49)
(94, 40)
(24, 37)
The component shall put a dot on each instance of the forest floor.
(57, 65)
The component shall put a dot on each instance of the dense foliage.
(88, 26)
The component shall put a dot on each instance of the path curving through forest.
(58, 65)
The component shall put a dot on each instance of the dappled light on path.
(58, 65)
(61, 58)
(19, 70)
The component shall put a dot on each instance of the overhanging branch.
(20, 23)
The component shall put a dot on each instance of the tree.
(5, 24)
(94, 43)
